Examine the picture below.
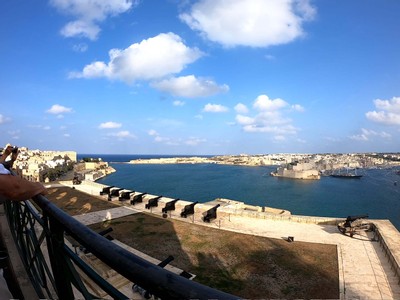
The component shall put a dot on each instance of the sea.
(376, 194)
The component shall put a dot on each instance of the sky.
(200, 77)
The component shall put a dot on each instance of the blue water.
(375, 194)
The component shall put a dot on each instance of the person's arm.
(17, 189)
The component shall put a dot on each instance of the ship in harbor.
(347, 175)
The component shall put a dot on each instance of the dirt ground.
(248, 266)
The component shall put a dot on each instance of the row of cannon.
(133, 197)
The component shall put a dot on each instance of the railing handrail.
(160, 282)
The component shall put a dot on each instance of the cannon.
(210, 214)
(169, 206)
(125, 195)
(137, 198)
(352, 224)
(106, 190)
(188, 209)
(115, 192)
(145, 293)
(153, 202)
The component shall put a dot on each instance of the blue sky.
(200, 77)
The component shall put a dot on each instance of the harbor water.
(376, 193)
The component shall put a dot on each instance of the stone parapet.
(389, 238)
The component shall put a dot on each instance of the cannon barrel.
(125, 195)
(211, 213)
(153, 202)
(169, 206)
(188, 209)
(106, 190)
(166, 261)
(137, 198)
(115, 192)
(146, 294)
(351, 219)
(105, 231)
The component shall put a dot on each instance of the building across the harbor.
(297, 170)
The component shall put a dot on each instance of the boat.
(347, 175)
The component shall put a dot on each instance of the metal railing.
(39, 229)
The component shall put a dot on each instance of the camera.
(14, 149)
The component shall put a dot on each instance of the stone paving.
(364, 269)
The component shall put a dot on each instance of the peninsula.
(320, 162)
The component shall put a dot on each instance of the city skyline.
(200, 77)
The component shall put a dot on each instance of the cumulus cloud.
(215, 108)
(263, 103)
(151, 59)
(110, 125)
(88, 14)
(298, 107)
(366, 135)
(240, 108)
(190, 86)
(254, 23)
(388, 112)
(269, 116)
(57, 109)
(121, 135)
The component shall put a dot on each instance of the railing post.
(55, 244)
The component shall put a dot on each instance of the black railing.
(39, 229)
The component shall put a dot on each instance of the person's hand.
(14, 155)
(7, 150)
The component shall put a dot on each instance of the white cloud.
(298, 107)
(80, 47)
(392, 105)
(151, 59)
(271, 116)
(152, 132)
(193, 141)
(263, 103)
(190, 86)
(215, 108)
(122, 135)
(67, 135)
(88, 13)
(178, 103)
(254, 23)
(57, 109)
(244, 120)
(279, 138)
(366, 135)
(240, 108)
(110, 125)
(3, 119)
(388, 114)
